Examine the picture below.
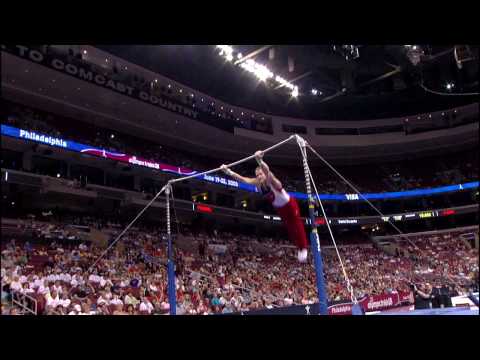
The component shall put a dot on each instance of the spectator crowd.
(220, 273)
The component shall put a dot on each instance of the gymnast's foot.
(302, 255)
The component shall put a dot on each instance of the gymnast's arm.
(251, 181)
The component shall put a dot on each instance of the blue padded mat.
(445, 311)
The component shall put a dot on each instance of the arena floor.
(446, 311)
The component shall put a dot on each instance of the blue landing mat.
(447, 311)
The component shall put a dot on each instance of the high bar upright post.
(172, 296)
(314, 239)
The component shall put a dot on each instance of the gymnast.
(285, 205)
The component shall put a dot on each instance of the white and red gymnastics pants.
(290, 214)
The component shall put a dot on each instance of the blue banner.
(181, 171)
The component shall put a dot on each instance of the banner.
(218, 249)
(368, 304)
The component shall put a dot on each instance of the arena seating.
(249, 273)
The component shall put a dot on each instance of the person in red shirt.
(285, 205)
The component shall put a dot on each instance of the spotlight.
(58, 175)
(450, 85)
(112, 136)
(239, 56)
(314, 92)
(295, 92)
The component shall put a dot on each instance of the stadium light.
(314, 92)
(295, 92)
(262, 72)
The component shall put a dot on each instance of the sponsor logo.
(351, 196)
(373, 305)
(341, 309)
(31, 135)
(347, 221)
(152, 165)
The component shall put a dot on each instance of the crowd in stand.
(220, 273)
(423, 173)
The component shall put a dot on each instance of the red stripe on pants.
(290, 214)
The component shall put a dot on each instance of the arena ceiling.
(351, 83)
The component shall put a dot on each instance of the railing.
(25, 302)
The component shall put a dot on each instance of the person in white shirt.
(116, 300)
(93, 278)
(65, 301)
(108, 294)
(26, 289)
(146, 306)
(76, 280)
(152, 287)
(102, 300)
(66, 277)
(16, 285)
(57, 287)
(131, 300)
(23, 279)
(51, 277)
(38, 282)
(76, 310)
(52, 299)
(124, 283)
(86, 310)
(43, 289)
